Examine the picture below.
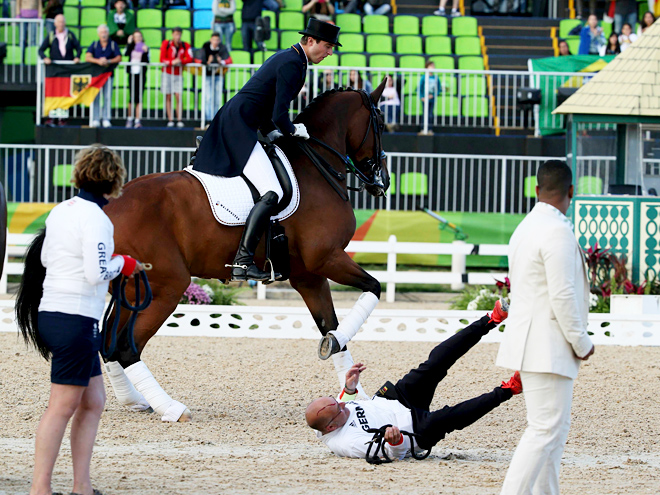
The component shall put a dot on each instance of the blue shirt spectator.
(592, 40)
(103, 52)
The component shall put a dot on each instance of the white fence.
(23, 38)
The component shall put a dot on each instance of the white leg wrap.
(343, 362)
(352, 322)
(124, 389)
(144, 381)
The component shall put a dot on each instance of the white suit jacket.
(547, 324)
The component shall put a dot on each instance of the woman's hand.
(138, 268)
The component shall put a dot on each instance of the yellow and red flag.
(73, 84)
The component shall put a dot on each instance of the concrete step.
(527, 22)
(519, 41)
(547, 51)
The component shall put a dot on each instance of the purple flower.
(195, 294)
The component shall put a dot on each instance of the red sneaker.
(500, 312)
(514, 384)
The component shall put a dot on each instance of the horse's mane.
(316, 102)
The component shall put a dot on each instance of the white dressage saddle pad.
(230, 197)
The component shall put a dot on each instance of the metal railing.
(22, 38)
(462, 183)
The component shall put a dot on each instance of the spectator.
(174, 54)
(103, 52)
(627, 37)
(624, 11)
(148, 4)
(377, 7)
(138, 54)
(454, 8)
(273, 5)
(52, 8)
(428, 89)
(613, 47)
(28, 9)
(564, 49)
(647, 21)
(320, 9)
(61, 44)
(592, 40)
(121, 23)
(355, 81)
(348, 6)
(391, 103)
(327, 80)
(251, 10)
(216, 58)
(223, 20)
(580, 8)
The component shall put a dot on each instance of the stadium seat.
(236, 79)
(153, 99)
(529, 186)
(449, 84)
(237, 41)
(10, 34)
(464, 26)
(590, 185)
(566, 25)
(240, 57)
(433, 25)
(468, 45)
(120, 77)
(351, 42)
(289, 38)
(349, 23)
(153, 38)
(154, 77)
(204, 4)
(239, 5)
(475, 107)
(412, 105)
(383, 61)
(201, 37)
(331, 61)
(573, 45)
(274, 42)
(202, 19)
(149, 18)
(88, 36)
(379, 43)
(376, 24)
(443, 62)
(174, 18)
(353, 60)
(473, 85)
(92, 3)
(608, 27)
(293, 6)
(406, 24)
(470, 63)
(31, 55)
(412, 62)
(260, 57)
(438, 45)
(14, 55)
(294, 21)
(409, 45)
(272, 16)
(414, 183)
(92, 17)
(62, 175)
(120, 97)
(71, 14)
(186, 35)
(238, 20)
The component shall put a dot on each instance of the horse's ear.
(376, 93)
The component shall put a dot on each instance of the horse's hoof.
(328, 346)
(186, 416)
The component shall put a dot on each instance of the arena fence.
(22, 38)
(461, 98)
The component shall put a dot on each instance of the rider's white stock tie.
(343, 362)
(125, 392)
(352, 322)
(144, 381)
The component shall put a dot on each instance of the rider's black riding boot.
(255, 225)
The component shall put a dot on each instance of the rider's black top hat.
(322, 31)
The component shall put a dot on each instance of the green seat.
(349, 23)
(272, 16)
(376, 24)
(332, 60)
(608, 27)
(186, 35)
(438, 45)
(412, 62)
(236, 78)
(353, 60)
(31, 55)
(120, 78)
(473, 85)
(409, 45)
(414, 183)
(412, 105)
(260, 57)
(274, 42)
(351, 42)
(294, 21)
(88, 35)
(382, 61)
(443, 62)
(449, 84)
(149, 18)
(289, 38)
(566, 25)
(62, 175)
(240, 57)
(153, 38)
(238, 20)
(92, 3)
(406, 24)
(153, 99)
(392, 189)
(470, 63)
(92, 17)
(291, 5)
(379, 43)
(464, 26)
(468, 45)
(573, 45)
(433, 25)
(202, 36)
(529, 186)
(120, 96)
(14, 55)
(180, 18)
(475, 107)
(72, 16)
(10, 34)
(590, 185)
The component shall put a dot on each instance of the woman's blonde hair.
(99, 170)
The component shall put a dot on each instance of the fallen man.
(342, 424)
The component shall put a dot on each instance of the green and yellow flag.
(72, 84)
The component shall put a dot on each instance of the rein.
(379, 441)
(118, 301)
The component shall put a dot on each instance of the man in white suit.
(546, 335)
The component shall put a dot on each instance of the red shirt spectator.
(175, 53)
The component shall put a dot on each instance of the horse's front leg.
(340, 268)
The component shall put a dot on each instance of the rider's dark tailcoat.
(263, 101)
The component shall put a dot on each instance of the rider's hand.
(301, 131)
(353, 376)
(274, 134)
(138, 268)
(392, 435)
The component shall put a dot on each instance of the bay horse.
(166, 219)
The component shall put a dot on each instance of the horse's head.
(366, 147)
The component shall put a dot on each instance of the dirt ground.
(248, 434)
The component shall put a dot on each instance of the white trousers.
(261, 173)
(534, 469)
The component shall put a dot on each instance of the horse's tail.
(29, 296)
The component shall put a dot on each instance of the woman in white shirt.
(60, 302)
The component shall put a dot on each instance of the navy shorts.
(74, 342)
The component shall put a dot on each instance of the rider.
(262, 104)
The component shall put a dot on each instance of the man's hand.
(76, 60)
(130, 39)
(176, 61)
(47, 61)
(138, 268)
(353, 376)
(301, 131)
(593, 349)
(392, 435)
(102, 61)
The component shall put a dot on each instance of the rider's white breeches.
(261, 173)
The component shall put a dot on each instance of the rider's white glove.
(274, 134)
(301, 131)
